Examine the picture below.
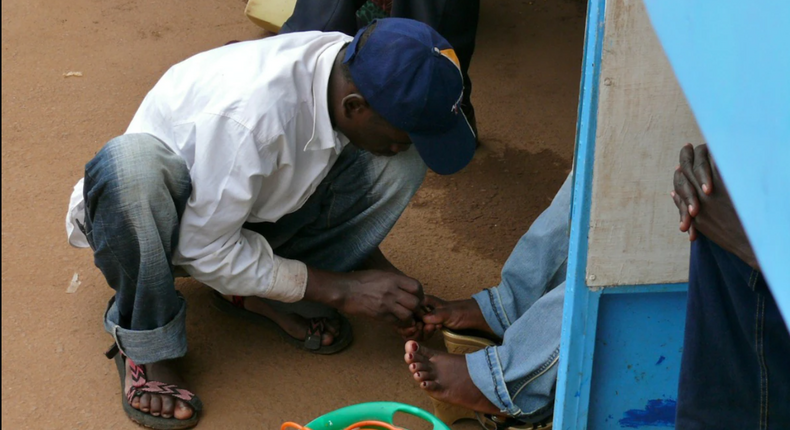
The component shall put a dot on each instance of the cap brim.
(447, 153)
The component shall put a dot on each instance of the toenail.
(411, 357)
(418, 374)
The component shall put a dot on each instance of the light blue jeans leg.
(526, 311)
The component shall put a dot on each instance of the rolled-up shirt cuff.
(289, 281)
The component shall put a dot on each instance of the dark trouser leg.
(455, 20)
(324, 15)
(135, 193)
(735, 370)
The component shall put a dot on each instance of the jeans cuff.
(493, 312)
(486, 373)
(149, 346)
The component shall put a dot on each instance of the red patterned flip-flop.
(141, 385)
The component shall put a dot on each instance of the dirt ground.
(454, 237)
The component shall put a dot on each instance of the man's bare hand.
(384, 296)
(377, 294)
(693, 177)
(704, 204)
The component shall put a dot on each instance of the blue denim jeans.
(136, 190)
(735, 369)
(525, 310)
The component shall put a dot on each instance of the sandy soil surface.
(454, 237)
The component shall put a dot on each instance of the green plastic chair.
(379, 411)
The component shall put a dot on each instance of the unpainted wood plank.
(643, 121)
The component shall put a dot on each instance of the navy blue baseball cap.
(410, 75)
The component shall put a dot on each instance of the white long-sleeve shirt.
(252, 124)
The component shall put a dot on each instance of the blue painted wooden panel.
(732, 60)
(581, 304)
(636, 365)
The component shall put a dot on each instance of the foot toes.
(412, 346)
(145, 402)
(327, 339)
(156, 405)
(409, 358)
(333, 326)
(425, 354)
(423, 375)
(168, 404)
(417, 366)
(183, 411)
(136, 402)
(428, 385)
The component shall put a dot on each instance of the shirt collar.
(324, 136)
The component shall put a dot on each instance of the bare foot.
(456, 315)
(295, 325)
(445, 377)
(160, 404)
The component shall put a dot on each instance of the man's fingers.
(402, 317)
(414, 332)
(428, 331)
(686, 191)
(692, 233)
(432, 302)
(408, 301)
(411, 286)
(407, 332)
(702, 169)
(685, 218)
(687, 160)
(676, 198)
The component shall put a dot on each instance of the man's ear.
(354, 104)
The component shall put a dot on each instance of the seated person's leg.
(536, 265)
(516, 378)
(734, 370)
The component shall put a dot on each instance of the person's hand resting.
(705, 206)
